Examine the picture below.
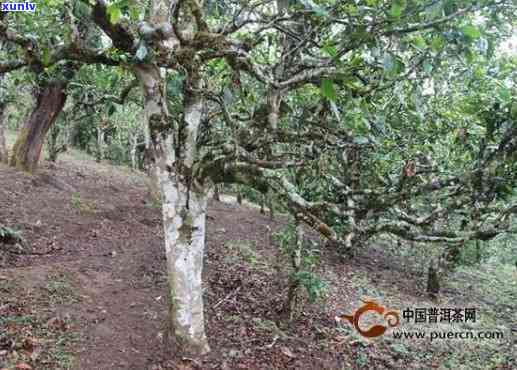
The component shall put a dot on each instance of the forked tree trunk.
(4, 156)
(49, 103)
(184, 203)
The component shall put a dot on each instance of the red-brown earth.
(87, 289)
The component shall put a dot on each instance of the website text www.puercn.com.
(436, 335)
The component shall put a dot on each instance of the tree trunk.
(433, 280)
(293, 295)
(4, 156)
(49, 103)
(239, 196)
(269, 199)
(184, 202)
(435, 274)
(134, 145)
(52, 144)
(184, 213)
(99, 146)
(216, 196)
(478, 251)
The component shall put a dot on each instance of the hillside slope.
(88, 291)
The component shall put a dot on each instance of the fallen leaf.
(36, 353)
(23, 366)
(286, 351)
(56, 323)
(29, 343)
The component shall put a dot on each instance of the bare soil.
(87, 290)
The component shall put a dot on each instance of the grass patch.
(84, 206)
(60, 290)
(245, 251)
(29, 334)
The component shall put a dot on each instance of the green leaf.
(469, 56)
(320, 11)
(505, 95)
(419, 42)
(134, 13)
(327, 89)
(479, 72)
(471, 32)
(397, 7)
(357, 60)
(114, 12)
(45, 56)
(330, 50)
(437, 44)
(428, 67)
(392, 66)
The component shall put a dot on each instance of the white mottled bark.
(4, 157)
(184, 215)
(184, 203)
(134, 144)
(296, 264)
(99, 155)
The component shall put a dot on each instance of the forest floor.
(88, 288)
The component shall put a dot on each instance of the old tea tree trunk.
(184, 200)
(3, 145)
(49, 103)
(184, 204)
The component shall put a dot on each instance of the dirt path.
(95, 226)
(95, 296)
